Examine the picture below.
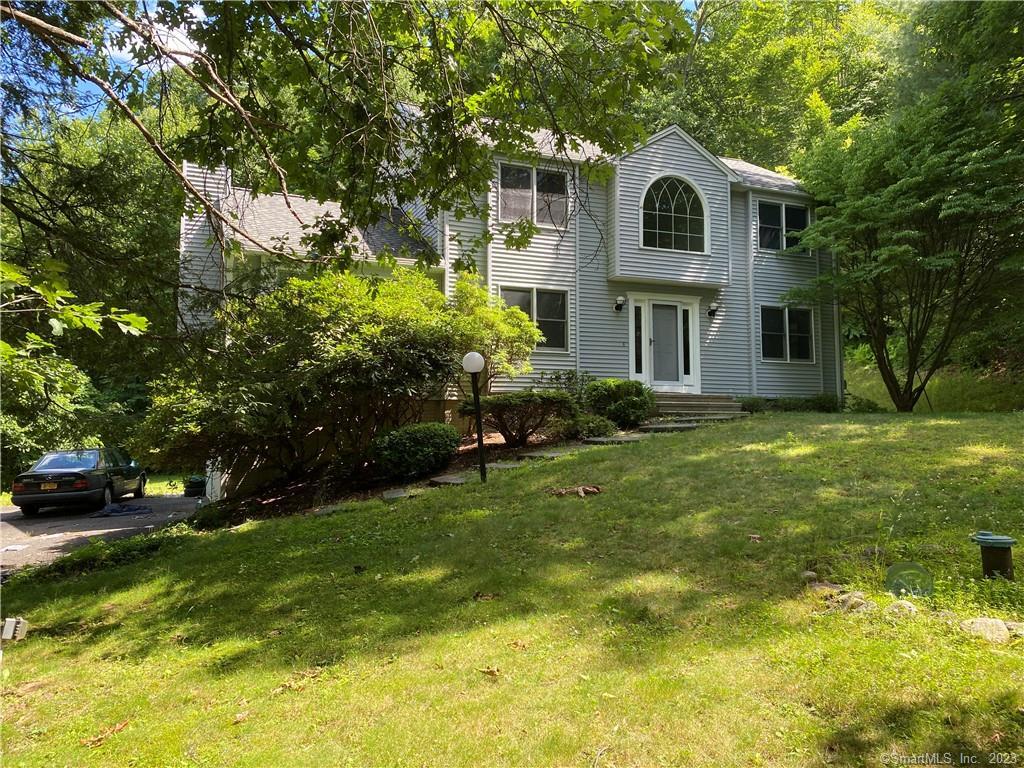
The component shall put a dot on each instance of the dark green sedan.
(91, 477)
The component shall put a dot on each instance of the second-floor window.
(673, 216)
(539, 195)
(548, 309)
(779, 226)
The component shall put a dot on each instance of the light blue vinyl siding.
(549, 261)
(603, 332)
(775, 274)
(670, 155)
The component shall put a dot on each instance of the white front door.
(664, 343)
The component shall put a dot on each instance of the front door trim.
(644, 300)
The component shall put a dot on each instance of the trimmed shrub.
(630, 412)
(582, 426)
(821, 403)
(571, 381)
(753, 404)
(415, 450)
(517, 415)
(625, 402)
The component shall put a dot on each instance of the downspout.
(445, 252)
(821, 368)
(840, 361)
(751, 234)
(575, 330)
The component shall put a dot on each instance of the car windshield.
(69, 460)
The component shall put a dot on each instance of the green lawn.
(638, 627)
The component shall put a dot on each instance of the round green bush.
(418, 449)
(605, 397)
(629, 412)
(582, 426)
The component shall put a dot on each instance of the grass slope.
(641, 626)
(950, 390)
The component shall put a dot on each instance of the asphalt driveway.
(57, 531)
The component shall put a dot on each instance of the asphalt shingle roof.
(756, 176)
(273, 221)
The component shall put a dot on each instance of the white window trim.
(703, 202)
(782, 218)
(567, 349)
(785, 324)
(533, 196)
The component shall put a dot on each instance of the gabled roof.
(755, 176)
(675, 129)
(273, 221)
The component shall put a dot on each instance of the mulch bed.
(305, 495)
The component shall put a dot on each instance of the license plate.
(48, 486)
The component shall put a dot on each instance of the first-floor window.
(549, 309)
(786, 334)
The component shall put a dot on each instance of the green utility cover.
(989, 539)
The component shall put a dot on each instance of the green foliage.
(820, 403)
(518, 415)
(824, 402)
(415, 450)
(753, 404)
(581, 426)
(857, 404)
(483, 323)
(628, 403)
(629, 412)
(758, 80)
(46, 402)
(953, 389)
(316, 368)
(922, 206)
(572, 381)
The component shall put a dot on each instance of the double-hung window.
(535, 194)
(549, 309)
(787, 334)
(779, 226)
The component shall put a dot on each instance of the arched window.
(673, 216)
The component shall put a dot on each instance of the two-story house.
(673, 270)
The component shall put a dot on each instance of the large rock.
(902, 608)
(993, 630)
(1016, 628)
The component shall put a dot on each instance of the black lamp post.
(472, 364)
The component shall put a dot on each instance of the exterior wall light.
(472, 364)
(620, 302)
(712, 309)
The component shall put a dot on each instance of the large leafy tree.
(924, 207)
(368, 104)
(755, 78)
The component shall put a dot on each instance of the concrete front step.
(669, 426)
(613, 440)
(705, 416)
(690, 408)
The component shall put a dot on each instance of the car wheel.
(108, 497)
(141, 490)
(29, 511)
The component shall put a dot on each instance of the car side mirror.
(133, 464)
